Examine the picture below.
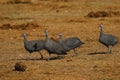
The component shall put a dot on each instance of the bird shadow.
(95, 53)
(37, 59)
(27, 59)
(55, 58)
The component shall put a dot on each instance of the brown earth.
(66, 16)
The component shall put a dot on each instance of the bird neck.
(101, 31)
(60, 37)
(25, 39)
(25, 42)
(46, 36)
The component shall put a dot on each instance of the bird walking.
(53, 47)
(107, 39)
(33, 45)
(70, 43)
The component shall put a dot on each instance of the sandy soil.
(66, 16)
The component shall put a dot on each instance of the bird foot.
(25, 58)
(61, 57)
(74, 55)
(41, 57)
(109, 52)
(47, 59)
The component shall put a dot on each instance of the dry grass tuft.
(102, 14)
(20, 1)
(63, 0)
(19, 27)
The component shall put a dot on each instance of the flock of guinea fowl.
(62, 46)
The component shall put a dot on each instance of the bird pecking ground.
(68, 17)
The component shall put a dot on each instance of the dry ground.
(66, 16)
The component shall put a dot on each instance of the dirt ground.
(68, 17)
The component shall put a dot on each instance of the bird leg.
(109, 49)
(30, 56)
(41, 55)
(60, 57)
(49, 57)
(75, 54)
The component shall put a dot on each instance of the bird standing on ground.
(107, 39)
(53, 47)
(70, 43)
(33, 45)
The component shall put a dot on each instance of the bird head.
(60, 35)
(46, 32)
(101, 26)
(24, 35)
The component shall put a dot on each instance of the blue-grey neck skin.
(46, 33)
(101, 26)
(60, 36)
(24, 35)
(25, 40)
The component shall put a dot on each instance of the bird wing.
(54, 47)
(72, 42)
(108, 39)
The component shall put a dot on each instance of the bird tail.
(82, 43)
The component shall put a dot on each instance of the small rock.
(69, 60)
(95, 66)
(20, 66)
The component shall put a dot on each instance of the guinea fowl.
(33, 45)
(53, 47)
(70, 43)
(107, 39)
